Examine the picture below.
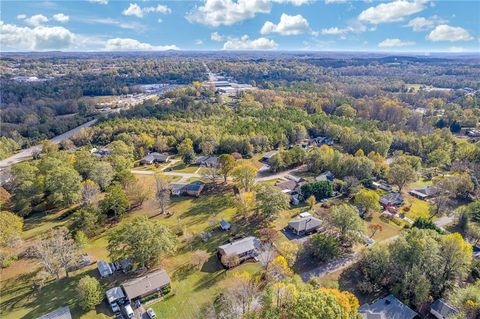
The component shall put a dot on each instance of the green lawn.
(418, 208)
(182, 168)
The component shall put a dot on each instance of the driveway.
(330, 267)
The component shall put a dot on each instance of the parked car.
(115, 307)
(151, 314)
(128, 311)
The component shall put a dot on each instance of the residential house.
(245, 248)
(224, 225)
(194, 188)
(391, 199)
(207, 161)
(156, 282)
(424, 192)
(320, 140)
(177, 188)
(60, 313)
(104, 269)
(382, 186)
(442, 310)
(304, 224)
(387, 308)
(268, 156)
(286, 186)
(101, 152)
(155, 158)
(115, 298)
(326, 176)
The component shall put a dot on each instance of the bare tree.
(266, 255)
(213, 172)
(163, 192)
(90, 191)
(137, 193)
(56, 252)
(199, 258)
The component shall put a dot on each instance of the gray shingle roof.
(240, 246)
(114, 294)
(307, 224)
(147, 284)
(387, 308)
(392, 199)
(443, 308)
(60, 313)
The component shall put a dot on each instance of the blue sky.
(362, 25)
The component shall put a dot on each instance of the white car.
(151, 314)
(128, 311)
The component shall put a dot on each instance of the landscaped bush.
(321, 190)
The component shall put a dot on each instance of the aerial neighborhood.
(147, 181)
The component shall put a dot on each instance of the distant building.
(286, 186)
(224, 225)
(192, 189)
(387, 308)
(155, 158)
(268, 156)
(244, 249)
(473, 133)
(304, 224)
(156, 282)
(382, 186)
(60, 313)
(442, 310)
(424, 192)
(391, 199)
(207, 161)
(320, 140)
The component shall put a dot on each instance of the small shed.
(442, 310)
(104, 269)
(224, 225)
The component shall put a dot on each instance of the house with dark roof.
(194, 188)
(104, 269)
(304, 224)
(424, 192)
(442, 310)
(60, 313)
(207, 161)
(154, 158)
(155, 282)
(387, 308)
(326, 176)
(391, 199)
(245, 248)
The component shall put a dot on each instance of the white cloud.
(445, 32)
(36, 20)
(126, 44)
(288, 25)
(109, 21)
(456, 49)
(99, 1)
(391, 43)
(227, 12)
(21, 16)
(244, 43)
(215, 36)
(198, 42)
(335, 1)
(422, 24)
(392, 11)
(60, 17)
(17, 38)
(137, 11)
(296, 3)
(336, 31)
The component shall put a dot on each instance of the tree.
(88, 220)
(12, 226)
(279, 269)
(89, 293)
(62, 186)
(289, 250)
(311, 201)
(163, 192)
(243, 289)
(467, 300)
(212, 172)
(400, 174)
(102, 173)
(115, 203)
(346, 223)
(320, 190)
(245, 203)
(268, 235)
(152, 237)
(270, 202)
(374, 228)
(244, 176)
(324, 248)
(185, 149)
(226, 165)
(367, 200)
(199, 258)
(90, 191)
(230, 261)
(137, 192)
(56, 252)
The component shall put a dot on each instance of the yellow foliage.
(346, 299)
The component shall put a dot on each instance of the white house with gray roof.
(387, 308)
(244, 248)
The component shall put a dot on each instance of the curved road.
(28, 152)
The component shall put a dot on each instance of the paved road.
(444, 221)
(27, 153)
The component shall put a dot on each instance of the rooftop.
(60, 313)
(240, 246)
(147, 284)
(387, 308)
